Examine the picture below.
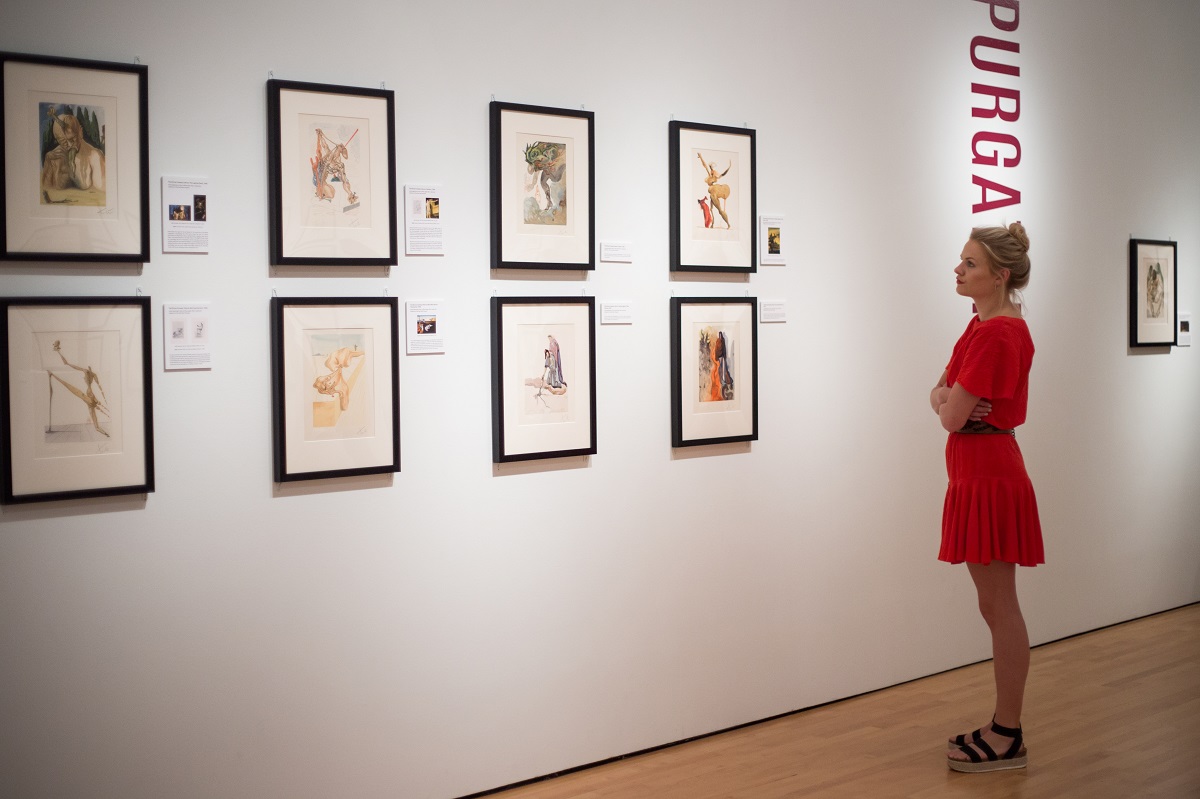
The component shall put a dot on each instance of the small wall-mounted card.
(423, 327)
(185, 215)
(616, 312)
(187, 336)
(423, 220)
(770, 246)
(616, 251)
(772, 311)
(1184, 336)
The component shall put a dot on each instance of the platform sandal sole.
(967, 767)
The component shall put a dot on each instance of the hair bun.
(1018, 232)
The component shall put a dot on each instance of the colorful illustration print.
(715, 364)
(341, 393)
(336, 183)
(73, 164)
(545, 200)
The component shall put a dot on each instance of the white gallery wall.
(462, 626)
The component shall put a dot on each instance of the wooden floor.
(1114, 713)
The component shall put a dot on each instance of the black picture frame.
(86, 198)
(314, 227)
(521, 137)
(327, 423)
(693, 321)
(1153, 293)
(76, 398)
(699, 204)
(552, 414)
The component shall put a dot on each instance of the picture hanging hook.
(493, 98)
(270, 74)
(383, 84)
(137, 291)
(137, 59)
(582, 107)
(385, 291)
(274, 292)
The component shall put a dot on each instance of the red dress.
(990, 511)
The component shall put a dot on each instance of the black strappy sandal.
(1014, 758)
(959, 741)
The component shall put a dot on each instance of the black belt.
(983, 428)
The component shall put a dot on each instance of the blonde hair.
(1007, 248)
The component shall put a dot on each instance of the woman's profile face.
(973, 273)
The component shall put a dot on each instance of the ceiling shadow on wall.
(710, 450)
(336, 272)
(542, 275)
(331, 485)
(1163, 350)
(65, 508)
(710, 277)
(541, 465)
(72, 269)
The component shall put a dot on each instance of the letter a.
(1011, 196)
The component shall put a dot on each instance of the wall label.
(996, 149)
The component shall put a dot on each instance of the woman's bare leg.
(996, 585)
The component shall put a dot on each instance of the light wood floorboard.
(1113, 713)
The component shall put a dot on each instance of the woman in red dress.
(990, 518)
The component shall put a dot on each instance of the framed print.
(543, 377)
(76, 418)
(335, 386)
(713, 207)
(714, 370)
(1152, 306)
(75, 161)
(331, 158)
(543, 193)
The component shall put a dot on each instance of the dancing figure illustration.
(87, 396)
(717, 192)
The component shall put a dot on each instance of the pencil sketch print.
(1156, 292)
(81, 401)
(339, 375)
(73, 166)
(545, 188)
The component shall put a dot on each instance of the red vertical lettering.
(993, 159)
(1000, 93)
(1005, 24)
(995, 44)
(1011, 196)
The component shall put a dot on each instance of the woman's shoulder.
(1011, 330)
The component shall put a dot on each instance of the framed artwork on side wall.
(712, 195)
(331, 159)
(335, 386)
(1152, 305)
(714, 370)
(543, 189)
(75, 160)
(76, 414)
(543, 377)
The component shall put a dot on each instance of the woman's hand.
(981, 409)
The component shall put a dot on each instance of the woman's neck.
(996, 305)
